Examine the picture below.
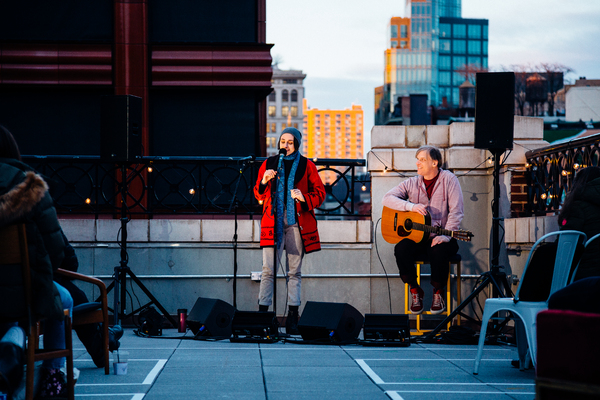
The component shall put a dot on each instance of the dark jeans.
(407, 252)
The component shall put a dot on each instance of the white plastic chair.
(586, 246)
(527, 310)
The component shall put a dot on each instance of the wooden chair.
(92, 312)
(14, 254)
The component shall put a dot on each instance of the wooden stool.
(454, 260)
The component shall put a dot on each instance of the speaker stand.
(121, 272)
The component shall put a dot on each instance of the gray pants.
(294, 250)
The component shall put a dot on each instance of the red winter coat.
(308, 181)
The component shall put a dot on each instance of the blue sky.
(339, 44)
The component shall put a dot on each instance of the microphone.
(282, 152)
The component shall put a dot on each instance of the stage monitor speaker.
(387, 329)
(494, 110)
(120, 128)
(255, 324)
(336, 322)
(211, 317)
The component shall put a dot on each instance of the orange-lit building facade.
(333, 133)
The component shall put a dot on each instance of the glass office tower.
(426, 48)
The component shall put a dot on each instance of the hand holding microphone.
(297, 195)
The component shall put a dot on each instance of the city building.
(284, 105)
(431, 51)
(333, 133)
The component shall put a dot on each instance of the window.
(290, 81)
(444, 46)
(474, 47)
(485, 31)
(272, 96)
(459, 62)
(393, 44)
(475, 31)
(444, 62)
(403, 44)
(444, 77)
(459, 30)
(445, 30)
(283, 126)
(272, 110)
(415, 43)
(294, 95)
(394, 31)
(485, 62)
(458, 79)
(459, 46)
(485, 45)
(295, 124)
(284, 95)
(403, 31)
(284, 111)
(475, 61)
(273, 127)
(272, 142)
(294, 111)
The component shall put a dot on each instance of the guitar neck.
(432, 229)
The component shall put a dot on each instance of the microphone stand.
(235, 204)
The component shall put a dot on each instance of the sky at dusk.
(339, 44)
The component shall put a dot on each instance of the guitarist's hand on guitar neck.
(419, 208)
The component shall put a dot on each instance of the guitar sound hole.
(408, 224)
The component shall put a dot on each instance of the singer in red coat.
(289, 188)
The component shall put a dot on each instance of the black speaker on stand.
(494, 129)
(120, 127)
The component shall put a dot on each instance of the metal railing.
(550, 172)
(88, 185)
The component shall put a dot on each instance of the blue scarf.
(289, 202)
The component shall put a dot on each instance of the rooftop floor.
(169, 366)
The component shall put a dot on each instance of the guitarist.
(435, 191)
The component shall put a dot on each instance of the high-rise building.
(333, 133)
(284, 105)
(431, 51)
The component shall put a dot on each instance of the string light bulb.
(150, 169)
(192, 191)
(88, 201)
(364, 188)
(564, 172)
(527, 165)
(576, 166)
(544, 195)
(260, 202)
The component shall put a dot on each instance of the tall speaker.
(120, 128)
(211, 317)
(494, 110)
(336, 322)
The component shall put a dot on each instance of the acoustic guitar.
(399, 225)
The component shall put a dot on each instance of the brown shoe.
(416, 304)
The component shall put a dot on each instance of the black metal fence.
(550, 172)
(84, 185)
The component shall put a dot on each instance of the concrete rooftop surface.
(170, 367)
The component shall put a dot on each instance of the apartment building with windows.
(333, 133)
(284, 105)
